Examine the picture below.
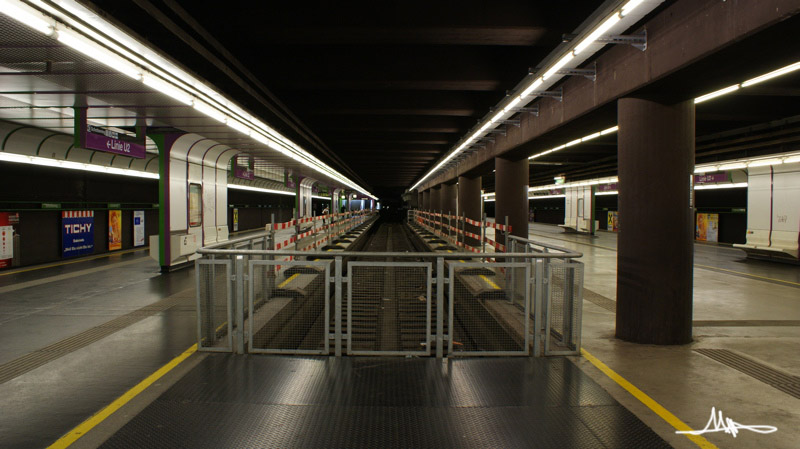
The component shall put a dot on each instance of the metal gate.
(481, 308)
(563, 312)
(289, 307)
(388, 308)
(214, 305)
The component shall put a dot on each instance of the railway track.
(387, 311)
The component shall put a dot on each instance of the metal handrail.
(258, 235)
(545, 245)
(426, 255)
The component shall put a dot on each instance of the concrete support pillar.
(426, 199)
(469, 204)
(436, 198)
(449, 199)
(420, 200)
(656, 201)
(511, 185)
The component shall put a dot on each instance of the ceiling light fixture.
(773, 74)
(209, 110)
(47, 162)
(98, 53)
(259, 189)
(716, 93)
(28, 16)
(116, 49)
(598, 32)
(166, 88)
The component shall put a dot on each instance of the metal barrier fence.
(454, 304)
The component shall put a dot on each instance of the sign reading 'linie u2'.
(77, 232)
(97, 138)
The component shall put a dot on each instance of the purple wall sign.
(243, 167)
(613, 187)
(96, 138)
(290, 182)
(712, 178)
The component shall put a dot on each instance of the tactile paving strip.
(784, 382)
(33, 360)
(600, 300)
(271, 401)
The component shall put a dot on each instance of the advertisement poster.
(138, 228)
(613, 221)
(195, 205)
(114, 230)
(707, 229)
(77, 232)
(7, 238)
(235, 220)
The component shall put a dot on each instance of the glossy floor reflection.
(266, 401)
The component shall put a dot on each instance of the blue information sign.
(77, 233)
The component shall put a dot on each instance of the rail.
(523, 302)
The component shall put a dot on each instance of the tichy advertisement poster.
(114, 230)
(138, 228)
(77, 232)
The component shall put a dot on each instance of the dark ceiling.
(378, 90)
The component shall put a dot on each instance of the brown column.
(654, 257)
(449, 199)
(511, 185)
(469, 204)
(426, 199)
(420, 200)
(436, 198)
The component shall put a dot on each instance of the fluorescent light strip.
(259, 189)
(545, 197)
(733, 166)
(98, 53)
(166, 88)
(595, 135)
(716, 93)
(162, 73)
(739, 185)
(536, 83)
(209, 110)
(46, 162)
(598, 32)
(630, 6)
(28, 16)
(773, 74)
(748, 163)
(610, 192)
(558, 65)
(765, 162)
(613, 129)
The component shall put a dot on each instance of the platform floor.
(269, 401)
(76, 336)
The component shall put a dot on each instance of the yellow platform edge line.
(659, 410)
(83, 259)
(489, 281)
(283, 284)
(84, 427)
